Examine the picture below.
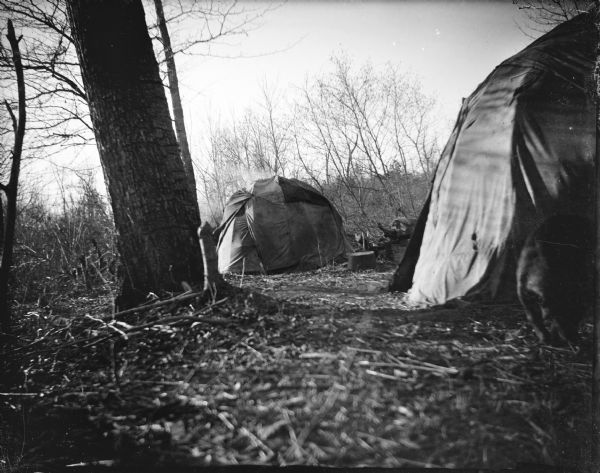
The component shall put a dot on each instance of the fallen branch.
(319, 416)
(137, 329)
(168, 321)
(179, 298)
(23, 394)
(382, 375)
(402, 360)
(110, 326)
(175, 320)
(102, 463)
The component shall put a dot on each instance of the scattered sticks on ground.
(312, 368)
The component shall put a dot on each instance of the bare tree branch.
(10, 189)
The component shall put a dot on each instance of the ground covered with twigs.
(314, 368)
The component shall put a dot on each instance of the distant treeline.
(367, 139)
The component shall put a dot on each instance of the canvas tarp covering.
(521, 150)
(281, 224)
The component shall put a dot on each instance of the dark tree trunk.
(595, 460)
(156, 214)
(11, 188)
(186, 156)
(1, 223)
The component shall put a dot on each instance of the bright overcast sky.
(451, 45)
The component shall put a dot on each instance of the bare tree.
(370, 138)
(10, 189)
(234, 158)
(366, 139)
(275, 131)
(173, 87)
(543, 15)
(156, 215)
(58, 112)
(258, 145)
(220, 175)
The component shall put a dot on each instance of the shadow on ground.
(320, 368)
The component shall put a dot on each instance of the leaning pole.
(595, 453)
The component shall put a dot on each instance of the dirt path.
(467, 342)
(313, 368)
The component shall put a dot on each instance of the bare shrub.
(365, 138)
(65, 248)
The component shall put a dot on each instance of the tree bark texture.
(156, 214)
(11, 188)
(186, 156)
(595, 440)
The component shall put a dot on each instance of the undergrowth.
(322, 368)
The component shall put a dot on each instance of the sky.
(451, 46)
